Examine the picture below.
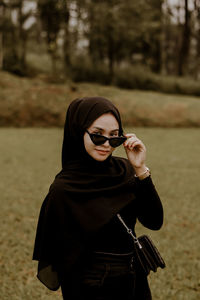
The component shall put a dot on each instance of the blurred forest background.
(132, 44)
(50, 49)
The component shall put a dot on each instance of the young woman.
(80, 243)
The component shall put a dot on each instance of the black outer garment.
(147, 208)
(84, 196)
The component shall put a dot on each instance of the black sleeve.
(149, 206)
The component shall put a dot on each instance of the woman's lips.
(102, 152)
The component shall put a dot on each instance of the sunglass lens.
(98, 139)
(115, 142)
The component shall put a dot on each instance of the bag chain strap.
(136, 241)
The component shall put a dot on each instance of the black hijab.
(84, 196)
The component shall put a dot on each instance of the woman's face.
(106, 125)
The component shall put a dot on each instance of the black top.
(113, 237)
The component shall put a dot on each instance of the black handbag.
(147, 255)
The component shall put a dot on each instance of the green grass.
(29, 160)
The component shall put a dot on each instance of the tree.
(118, 29)
(185, 44)
(13, 36)
(197, 38)
(9, 55)
(21, 32)
(2, 5)
(66, 42)
(51, 17)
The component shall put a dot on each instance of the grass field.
(29, 160)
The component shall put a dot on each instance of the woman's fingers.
(129, 135)
(135, 150)
(131, 140)
(133, 143)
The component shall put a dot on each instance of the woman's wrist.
(142, 172)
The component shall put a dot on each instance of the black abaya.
(84, 197)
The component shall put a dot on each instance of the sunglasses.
(114, 142)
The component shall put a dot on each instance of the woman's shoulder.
(57, 186)
(55, 196)
(56, 189)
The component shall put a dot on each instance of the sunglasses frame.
(121, 138)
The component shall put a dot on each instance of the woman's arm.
(148, 204)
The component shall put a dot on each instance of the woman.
(80, 243)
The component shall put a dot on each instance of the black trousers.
(106, 277)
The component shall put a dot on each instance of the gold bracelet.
(144, 173)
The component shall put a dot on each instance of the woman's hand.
(136, 152)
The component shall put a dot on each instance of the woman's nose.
(106, 143)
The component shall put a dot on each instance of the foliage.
(109, 32)
(84, 70)
(13, 36)
(118, 29)
(37, 102)
(25, 180)
(51, 18)
(133, 77)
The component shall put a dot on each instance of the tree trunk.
(2, 15)
(1, 50)
(66, 44)
(22, 39)
(110, 57)
(54, 63)
(1, 37)
(157, 53)
(110, 47)
(197, 58)
(184, 51)
(52, 50)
